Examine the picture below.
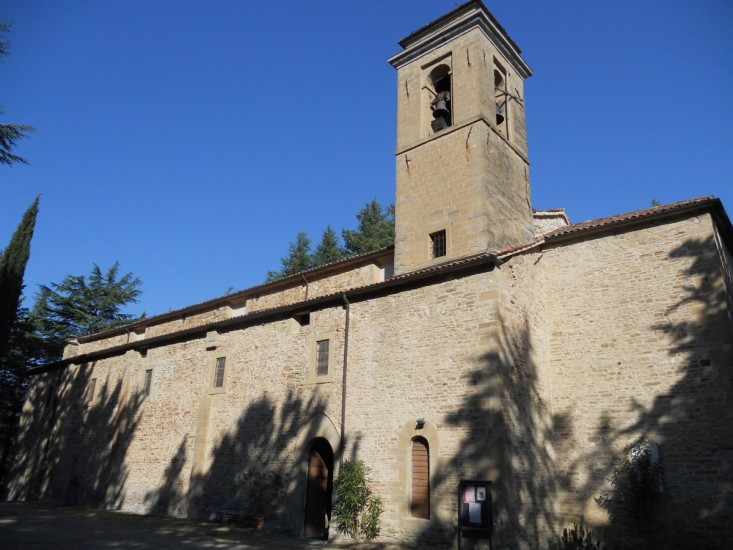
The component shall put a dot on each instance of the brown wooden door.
(318, 491)
(420, 498)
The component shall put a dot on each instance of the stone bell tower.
(462, 164)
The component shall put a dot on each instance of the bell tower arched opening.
(441, 104)
(462, 166)
(500, 98)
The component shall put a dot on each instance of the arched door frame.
(411, 430)
(319, 426)
(318, 489)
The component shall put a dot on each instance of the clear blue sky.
(192, 140)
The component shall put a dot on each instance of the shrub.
(637, 484)
(357, 510)
(578, 538)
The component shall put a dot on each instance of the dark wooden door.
(420, 501)
(318, 491)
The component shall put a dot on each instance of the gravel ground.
(38, 525)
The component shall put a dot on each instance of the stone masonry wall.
(184, 447)
(443, 352)
(319, 284)
(464, 354)
(470, 179)
(534, 374)
(640, 346)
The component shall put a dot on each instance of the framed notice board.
(475, 517)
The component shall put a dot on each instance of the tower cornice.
(461, 20)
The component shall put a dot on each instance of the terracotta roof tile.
(555, 235)
(628, 216)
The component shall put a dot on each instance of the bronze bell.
(499, 115)
(441, 109)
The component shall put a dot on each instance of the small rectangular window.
(321, 357)
(148, 382)
(437, 244)
(219, 376)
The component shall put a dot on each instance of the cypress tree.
(12, 268)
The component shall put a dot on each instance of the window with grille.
(148, 382)
(321, 357)
(437, 244)
(219, 374)
(420, 494)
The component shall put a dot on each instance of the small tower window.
(500, 98)
(437, 244)
(441, 105)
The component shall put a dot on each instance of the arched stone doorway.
(319, 488)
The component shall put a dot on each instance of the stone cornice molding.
(473, 15)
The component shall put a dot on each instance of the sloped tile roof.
(498, 255)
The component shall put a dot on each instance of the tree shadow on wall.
(253, 460)
(512, 439)
(691, 421)
(508, 441)
(72, 449)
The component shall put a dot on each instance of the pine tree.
(10, 133)
(375, 231)
(298, 258)
(82, 305)
(328, 250)
(12, 268)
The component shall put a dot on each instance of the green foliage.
(637, 483)
(357, 510)
(298, 258)
(13, 384)
(578, 538)
(12, 268)
(82, 305)
(328, 250)
(4, 42)
(14, 347)
(655, 202)
(375, 231)
(10, 133)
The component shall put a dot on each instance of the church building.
(491, 369)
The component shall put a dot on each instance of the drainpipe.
(347, 305)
